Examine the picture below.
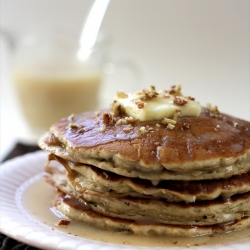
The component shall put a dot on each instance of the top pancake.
(212, 145)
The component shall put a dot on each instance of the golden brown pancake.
(174, 191)
(204, 147)
(80, 211)
(126, 213)
(187, 177)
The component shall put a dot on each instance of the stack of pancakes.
(146, 178)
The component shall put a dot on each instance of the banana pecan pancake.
(149, 216)
(202, 147)
(117, 185)
(177, 165)
(76, 210)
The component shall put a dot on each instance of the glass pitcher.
(52, 81)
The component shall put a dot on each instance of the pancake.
(198, 213)
(79, 211)
(176, 191)
(209, 147)
(220, 210)
(154, 163)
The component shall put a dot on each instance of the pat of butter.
(156, 108)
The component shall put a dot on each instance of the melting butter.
(152, 105)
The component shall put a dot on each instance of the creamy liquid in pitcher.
(49, 90)
(38, 199)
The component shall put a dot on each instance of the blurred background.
(202, 44)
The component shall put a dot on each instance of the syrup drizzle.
(42, 213)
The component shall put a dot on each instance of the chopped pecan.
(107, 118)
(179, 101)
(63, 222)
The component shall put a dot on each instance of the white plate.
(16, 179)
